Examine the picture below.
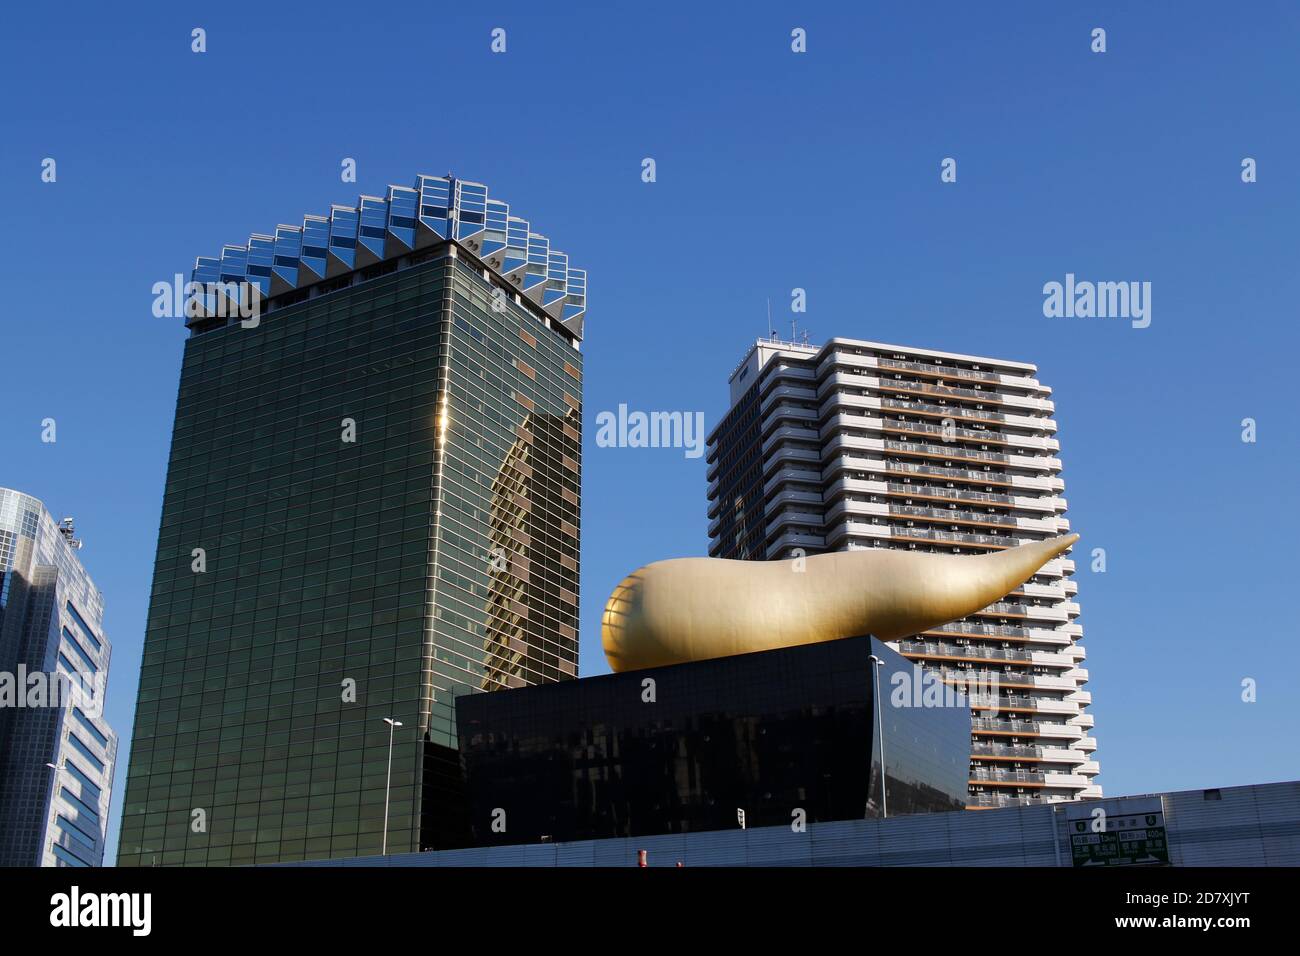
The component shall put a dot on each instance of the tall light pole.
(388, 787)
(880, 723)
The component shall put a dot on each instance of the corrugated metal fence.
(1233, 826)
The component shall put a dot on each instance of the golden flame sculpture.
(692, 609)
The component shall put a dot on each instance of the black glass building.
(783, 735)
(371, 507)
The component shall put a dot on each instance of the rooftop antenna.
(67, 528)
(771, 332)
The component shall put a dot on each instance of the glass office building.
(372, 507)
(57, 753)
(681, 749)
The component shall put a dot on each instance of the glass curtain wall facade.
(371, 508)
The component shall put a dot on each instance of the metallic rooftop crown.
(437, 209)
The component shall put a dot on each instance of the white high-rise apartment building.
(57, 753)
(865, 445)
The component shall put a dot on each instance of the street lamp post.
(880, 723)
(388, 787)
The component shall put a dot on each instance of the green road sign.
(1107, 837)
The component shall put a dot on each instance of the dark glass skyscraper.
(371, 507)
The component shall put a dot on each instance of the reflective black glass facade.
(742, 524)
(345, 581)
(681, 748)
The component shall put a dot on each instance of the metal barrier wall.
(1233, 826)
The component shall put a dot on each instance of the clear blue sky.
(775, 171)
